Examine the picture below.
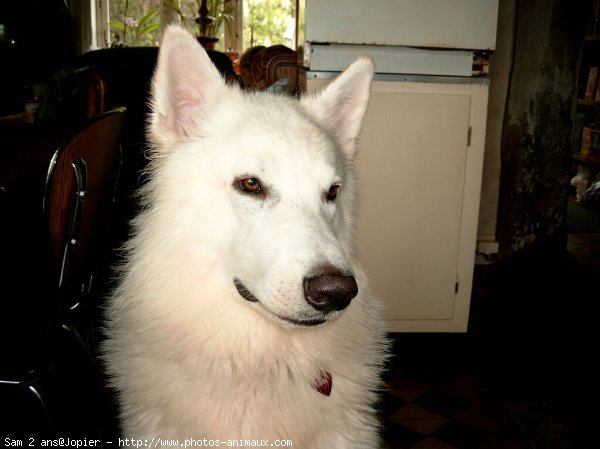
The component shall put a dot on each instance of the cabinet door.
(419, 166)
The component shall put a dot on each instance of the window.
(269, 22)
(238, 24)
(134, 23)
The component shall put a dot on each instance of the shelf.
(590, 160)
(588, 103)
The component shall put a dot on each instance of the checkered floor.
(446, 411)
(523, 377)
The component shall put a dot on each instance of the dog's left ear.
(185, 88)
(343, 103)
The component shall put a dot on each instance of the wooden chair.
(283, 65)
(246, 67)
(261, 67)
(74, 96)
(79, 194)
(95, 95)
(61, 383)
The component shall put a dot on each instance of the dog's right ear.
(342, 105)
(185, 87)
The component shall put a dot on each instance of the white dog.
(242, 313)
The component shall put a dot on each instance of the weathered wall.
(536, 141)
(500, 64)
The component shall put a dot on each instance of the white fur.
(189, 357)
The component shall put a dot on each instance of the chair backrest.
(246, 64)
(79, 193)
(261, 67)
(74, 96)
(283, 65)
(95, 95)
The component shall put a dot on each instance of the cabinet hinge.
(469, 136)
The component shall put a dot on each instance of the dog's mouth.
(248, 296)
(243, 291)
(305, 323)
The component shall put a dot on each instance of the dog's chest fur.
(212, 330)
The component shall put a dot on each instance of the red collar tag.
(323, 383)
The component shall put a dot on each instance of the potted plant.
(136, 32)
(208, 17)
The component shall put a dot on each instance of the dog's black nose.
(329, 289)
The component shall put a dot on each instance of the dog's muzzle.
(326, 290)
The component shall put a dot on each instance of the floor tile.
(398, 436)
(465, 386)
(461, 435)
(407, 387)
(483, 417)
(417, 418)
(442, 402)
(432, 443)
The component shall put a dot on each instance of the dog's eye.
(331, 194)
(249, 185)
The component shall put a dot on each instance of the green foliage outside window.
(134, 23)
(136, 33)
(266, 22)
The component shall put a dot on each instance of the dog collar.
(323, 383)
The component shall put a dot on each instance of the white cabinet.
(420, 166)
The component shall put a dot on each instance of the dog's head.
(260, 187)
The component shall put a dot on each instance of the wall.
(500, 63)
(536, 139)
